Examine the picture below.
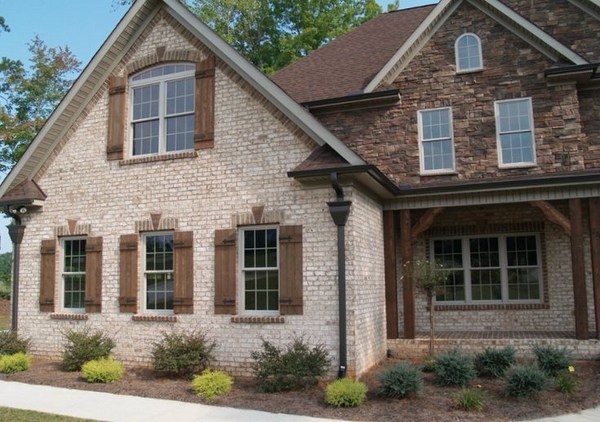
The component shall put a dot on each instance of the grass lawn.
(18, 415)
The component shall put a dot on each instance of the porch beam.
(554, 215)
(578, 268)
(408, 288)
(594, 211)
(425, 222)
(391, 274)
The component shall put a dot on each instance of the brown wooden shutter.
(128, 268)
(93, 275)
(205, 104)
(225, 271)
(290, 270)
(47, 275)
(183, 298)
(116, 117)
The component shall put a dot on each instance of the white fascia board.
(587, 7)
(261, 82)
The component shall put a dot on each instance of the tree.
(3, 25)
(5, 274)
(28, 96)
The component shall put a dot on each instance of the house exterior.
(178, 188)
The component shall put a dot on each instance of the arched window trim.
(459, 69)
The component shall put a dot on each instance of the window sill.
(438, 173)
(517, 166)
(238, 319)
(492, 307)
(159, 157)
(467, 71)
(154, 318)
(76, 317)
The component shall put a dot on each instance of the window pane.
(145, 102)
(180, 96)
(515, 131)
(261, 288)
(436, 139)
(448, 252)
(145, 137)
(468, 51)
(74, 273)
(159, 291)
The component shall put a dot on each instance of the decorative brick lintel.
(161, 157)
(155, 318)
(257, 319)
(493, 307)
(76, 317)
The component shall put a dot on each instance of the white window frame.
(422, 141)
(63, 273)
(242, 270)
(144, 283)
(458, 57)
(503, 260)
(501, 161)
(162, 117)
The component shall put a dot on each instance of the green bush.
(295, 367)
(345, 392)
(565, 383)
(400, 381)
(182, 354)
(11, 343)
(429, 365)
(102, 370)
(470, 399)
(453, 368)
(212, 384)
(551, 359)
(9, 364)
(83, 346)
(493, 363)
(524, 381)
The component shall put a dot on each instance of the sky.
(82, 25)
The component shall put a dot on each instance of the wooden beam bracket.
(554, 215)
(424, 222)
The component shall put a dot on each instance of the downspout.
(15, 232)
(340, 209)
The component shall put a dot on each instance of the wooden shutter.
(93, 275)
(47, 275)
(290, 270)
(183, 298)
(116, 117)
(225, 271)
(205, 104)
(128, 267)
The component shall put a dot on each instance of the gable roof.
(114, 49)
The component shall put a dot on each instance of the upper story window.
(158, 272)
(436, 140)
(514, 132)
(162, 109)
(468, 53)
(73, 274)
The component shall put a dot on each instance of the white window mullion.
(162, 127)
(466, 251)
(503, 267)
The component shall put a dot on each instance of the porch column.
(391, 273)
(408, 288)
(578, 268)
(594, 207)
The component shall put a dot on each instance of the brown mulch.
(435, 403)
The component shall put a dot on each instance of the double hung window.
(436, 140)
(158, 272)
(73, 274)
(514, 129)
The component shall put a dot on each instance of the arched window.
(468, 53)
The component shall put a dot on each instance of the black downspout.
(340, 210)
(15, 232)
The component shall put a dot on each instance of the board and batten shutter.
(93, 275)
(47, 275)
(128, 272)
(225, 271)
(183, 297)
(290, 270)
(117, 86)
(205, 104)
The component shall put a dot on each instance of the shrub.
(470, 399)
(400, 381)
(524, 381)
(552, 359)
(182, 354)
(212, 384)
(565, 383)
(454, 368)
(294, 368)
(429, 365)
(11, 343)
(345, 392)
(83, 346)
(9, 364)
(102, 370)
(494, 362)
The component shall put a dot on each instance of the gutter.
(356, 101)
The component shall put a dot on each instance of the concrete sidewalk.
(114, 407)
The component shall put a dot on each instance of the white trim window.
(73, 274)
(158, 272)
(467, 50)
(259, 255)
(436, 144)
(514, 132)
(490, 269)
(162, 109)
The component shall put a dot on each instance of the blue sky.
(83, 25)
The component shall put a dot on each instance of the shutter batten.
(205, 104)
(117, 87)
(128, 272)
(225, 271)
(93, 275)
(183, 297)
(290, 256)
(47, 275)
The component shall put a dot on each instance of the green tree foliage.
(29, 95)
(3, 25)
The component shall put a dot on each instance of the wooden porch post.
(391, 273)
(408, 288)
(594, 207)
(578, 268)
